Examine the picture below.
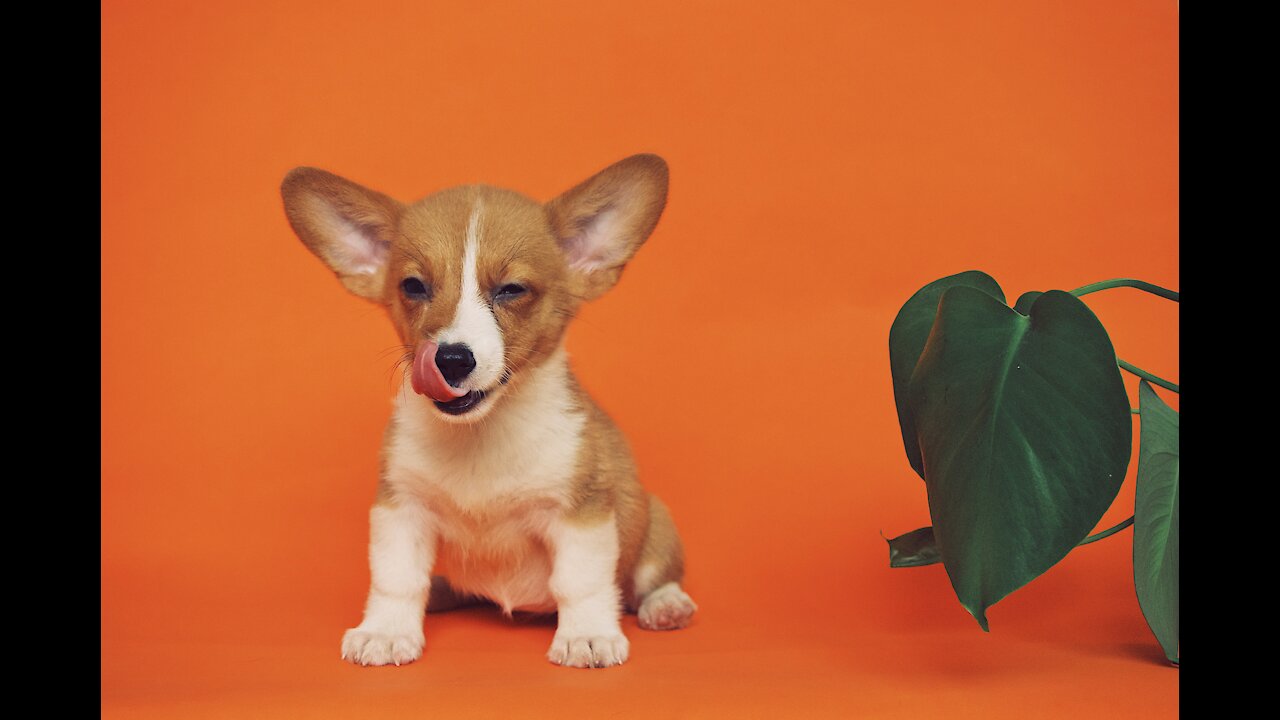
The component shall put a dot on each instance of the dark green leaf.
(913, 549)
(907, 336)
(1155, 530)
(1026, 300)
(1025, 434)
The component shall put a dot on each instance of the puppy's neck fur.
(524, 450)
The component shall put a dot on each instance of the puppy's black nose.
(455, 362)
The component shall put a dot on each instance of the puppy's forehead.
(503, 223)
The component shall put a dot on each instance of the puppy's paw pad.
(667, 608)
(589, 652)
(364, 647)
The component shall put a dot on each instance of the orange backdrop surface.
(827, 159)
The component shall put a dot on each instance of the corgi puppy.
(499, 473)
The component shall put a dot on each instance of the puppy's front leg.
(402, 548)
(584, 584)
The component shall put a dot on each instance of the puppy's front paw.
(593, 652)
(364, 647)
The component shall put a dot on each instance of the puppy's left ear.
(603, 221)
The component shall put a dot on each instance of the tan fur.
(554, 251)
(607, 484)
(661, 551)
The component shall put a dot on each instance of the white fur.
(526, 452)
(401, 553)
(473, 322)
(587, 595)
(496, 492)
(494, 487)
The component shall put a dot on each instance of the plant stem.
(1147, 376)
(1135, 411)
(1146, 287)
(1106, 533)
(1126, 282)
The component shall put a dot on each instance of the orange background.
(827, 159)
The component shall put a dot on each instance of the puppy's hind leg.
(662, 603)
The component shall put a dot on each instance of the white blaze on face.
(473, 322)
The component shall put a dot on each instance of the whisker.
(394, 348)
(404, 364)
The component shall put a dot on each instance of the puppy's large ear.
(603, 221)
(347, 226)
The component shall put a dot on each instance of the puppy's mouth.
(427, 380)
(462, 405)
(470, 401)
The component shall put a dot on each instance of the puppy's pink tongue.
(427, 379)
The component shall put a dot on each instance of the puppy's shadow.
(524, 619)
(491, 615)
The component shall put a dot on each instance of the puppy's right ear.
(346, 225)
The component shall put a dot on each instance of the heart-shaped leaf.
(1026, 300)
(1155, 531)
(913, 549)
(1025, 434)
(907, 336)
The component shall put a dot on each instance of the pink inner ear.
(597, 244)
(360, 252)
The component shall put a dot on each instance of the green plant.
(1018, 421)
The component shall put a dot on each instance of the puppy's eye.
(414, 289)
(510, 291)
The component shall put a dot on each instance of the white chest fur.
(492, 488)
